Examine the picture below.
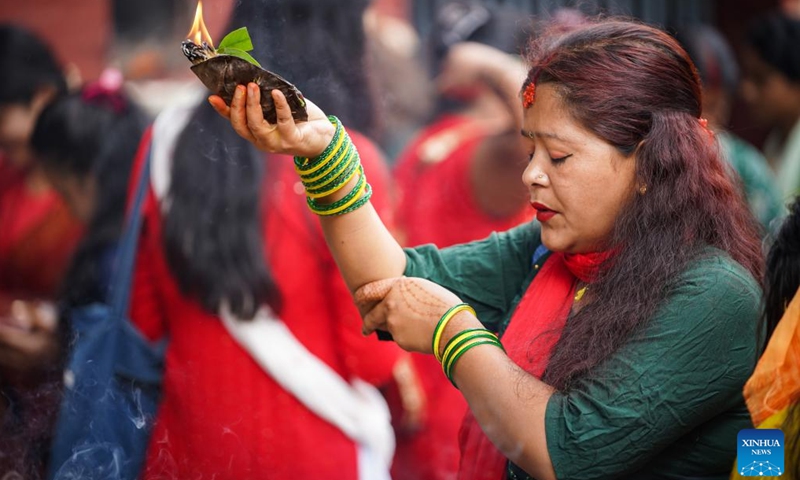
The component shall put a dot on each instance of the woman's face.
(578, 183)
(77, 192)
(771, 97)
(17, 121)
(16, 127)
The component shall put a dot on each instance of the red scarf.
(532, 333)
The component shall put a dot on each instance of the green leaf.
(238, 39)
(235, 52)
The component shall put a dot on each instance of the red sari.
(221, 415)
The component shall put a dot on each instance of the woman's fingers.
(219, 105)
(368, 295)
(286, 125)
(238, 114)
(375, 319)
(259, 127)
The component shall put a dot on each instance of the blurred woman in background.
(37, 238)
(229, 249)
(771, 88)
(85, 143)
(37, 234)
(773, 391)
(458, 181)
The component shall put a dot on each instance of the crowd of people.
(535, 249)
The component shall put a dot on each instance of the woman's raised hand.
(305, 139)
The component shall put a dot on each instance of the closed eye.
(558, 160)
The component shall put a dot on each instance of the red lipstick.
(543, 213)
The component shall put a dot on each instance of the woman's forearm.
(508, 403)
(363, 248)
(361, 244)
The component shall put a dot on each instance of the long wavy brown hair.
(635, 87)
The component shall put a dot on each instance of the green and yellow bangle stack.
(331, 171)
(461, 342)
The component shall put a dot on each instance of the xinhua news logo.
(760, 453)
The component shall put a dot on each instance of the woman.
(228, 246)
(37, 238)
(471, 148)
(628, 312)
(773, 392)
(85, 143)
(37, 233)
(771, 88)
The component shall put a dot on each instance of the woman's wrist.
(334, 179)
(324, 142)
(326, 136)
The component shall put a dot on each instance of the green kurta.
(668, 404)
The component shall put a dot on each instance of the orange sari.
(774, 387)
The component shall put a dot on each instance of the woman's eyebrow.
(533, 135)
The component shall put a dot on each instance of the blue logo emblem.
(760, 453)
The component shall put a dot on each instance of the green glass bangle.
(360, 203)
(336, 164)
(317, 208)
(458, 337)
(355, 206)
(303, 163)
(460, 340)
(342, 170)
(338, 183)
(462, 352)
(437, 330)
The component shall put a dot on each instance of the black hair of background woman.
(213, 234)
(27, 65)
(781, 284)
(775, 37)
(91, 138)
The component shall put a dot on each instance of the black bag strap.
(122, 280)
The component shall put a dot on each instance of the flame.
(199, 33)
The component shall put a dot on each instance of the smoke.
(106, 458)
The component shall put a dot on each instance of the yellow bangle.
(346, 205)
(471, 334)
(437, 332)
(336, 188)
(346, 156)
(472, 342)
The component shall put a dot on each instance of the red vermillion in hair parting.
(529, 87)
(634, 87)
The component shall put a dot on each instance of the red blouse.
(221, 415)
(436, 200)
(37, 237)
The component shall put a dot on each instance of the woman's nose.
(534, 176)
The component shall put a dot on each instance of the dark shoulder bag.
(112, 381)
